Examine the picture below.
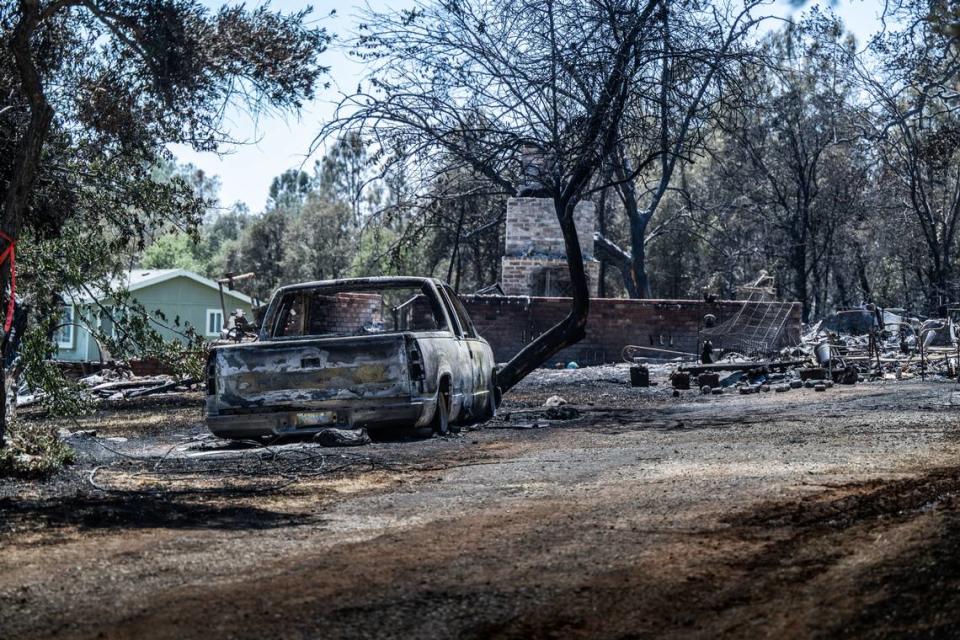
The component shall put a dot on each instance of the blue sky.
(275, 143)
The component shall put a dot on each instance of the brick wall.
(351, 313)
(509, 323)
(344, 312)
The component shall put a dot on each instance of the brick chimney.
(535, 259)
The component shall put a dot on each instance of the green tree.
(289, 190)
(93, 91)
(318, 243)
(263, 249)
(172, 251)
(222, 235)
(346, 172)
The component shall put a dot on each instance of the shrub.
(33, 451)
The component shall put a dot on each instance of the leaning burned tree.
(91, 94)
(475, 81)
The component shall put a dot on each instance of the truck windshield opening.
(357, 311)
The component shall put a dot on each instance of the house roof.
(143, 278)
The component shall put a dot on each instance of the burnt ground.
(797, 515)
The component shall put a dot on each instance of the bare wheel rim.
(492, 398)
(443, 413)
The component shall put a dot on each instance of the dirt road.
(776, 515)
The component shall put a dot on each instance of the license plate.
(316, 418)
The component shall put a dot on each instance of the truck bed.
(307, 383)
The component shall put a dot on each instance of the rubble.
(639, 376)
(759, 325)
(881, 344)
(846, 348)
(564, 412)
(125, 384)
(116, 384)
(680, 380)
(850, 346)
(708, 379)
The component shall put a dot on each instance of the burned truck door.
(480, 356)
(463, 380)
(477, 352)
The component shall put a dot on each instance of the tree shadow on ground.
(919, 592)
(912, 594)
(142, 510)
(774, 550)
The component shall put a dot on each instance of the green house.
(183, 297)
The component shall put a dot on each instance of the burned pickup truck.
(365, 352)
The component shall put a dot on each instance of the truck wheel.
(441, 419)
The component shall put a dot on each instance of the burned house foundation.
(512, 322)
(535, 281)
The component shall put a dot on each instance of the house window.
(108, 323)
(114, 322)
(64, 332)
(214, 322)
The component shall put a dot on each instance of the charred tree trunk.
(602, 227)
(640, 279)
(634, 270)
(609, 252)
(862, 277)
(800, 278)
(636, 279)
(455, 255)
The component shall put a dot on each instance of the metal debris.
(342, 437)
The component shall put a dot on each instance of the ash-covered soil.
(635, 515)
